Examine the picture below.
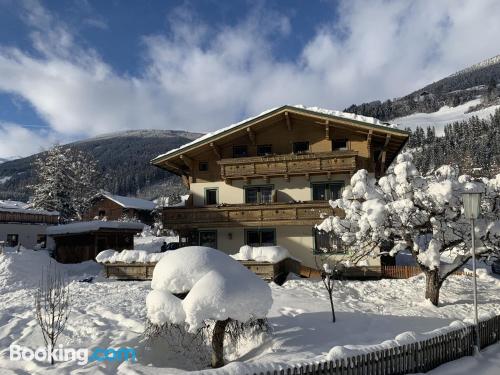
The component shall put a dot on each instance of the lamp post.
(472, 208)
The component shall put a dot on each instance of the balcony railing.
(304, 213)
(289, 164)
(21, 217)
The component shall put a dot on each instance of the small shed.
(114, 207)
(81, 241)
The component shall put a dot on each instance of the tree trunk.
(218, 343)
(432, 286)
(331, 305)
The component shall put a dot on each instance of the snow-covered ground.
(108, 313)
(444, 116)
(486, 363)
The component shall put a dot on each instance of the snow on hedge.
(127, 256)
(271, 254)
(218, 288)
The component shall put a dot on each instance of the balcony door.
(259, 194)
(324, 191)
(260, 237)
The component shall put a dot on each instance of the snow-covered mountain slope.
(483, 64)
(444, 116)
(123, 156)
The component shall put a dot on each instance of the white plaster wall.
(27, 233)
(298, 188)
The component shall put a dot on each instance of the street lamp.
(472, 208)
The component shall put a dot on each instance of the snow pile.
(152, 244)
(271, 254)
(90, 226)
(219, 288)
(23, 269)
(128, 256)
(404, 338)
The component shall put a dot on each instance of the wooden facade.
(79, 247)
(102, 207)
(289, 165)
(27, 217)
(252, 215)
(373, 147)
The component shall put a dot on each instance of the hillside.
(476, 82)
(455, 120)
(124, 157)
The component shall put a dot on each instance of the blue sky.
(74, 69)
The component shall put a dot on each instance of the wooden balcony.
(248, 215)
(289, 165)
(30, 218)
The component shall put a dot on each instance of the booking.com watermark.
(62, 354)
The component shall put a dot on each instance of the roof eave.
(158, 160)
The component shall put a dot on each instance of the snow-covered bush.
(217, 288)
(407, 211)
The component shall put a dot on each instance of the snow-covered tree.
(219, 292)
(66, 180)
(423, 214)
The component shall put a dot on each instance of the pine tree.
(66, 181)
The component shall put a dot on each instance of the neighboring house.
(116, 207)
(22, 225)
(267, 180)
(81, 241)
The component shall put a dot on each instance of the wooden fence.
(415, 357)
(374, 272)
(403, 272)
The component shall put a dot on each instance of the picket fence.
(411, 358)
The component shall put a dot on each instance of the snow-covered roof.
(92, 226)
(370, 121)
(21, 207)
(130, 202)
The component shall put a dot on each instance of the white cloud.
(200, 78)
(18, 141)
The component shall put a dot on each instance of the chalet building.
(267, 180)
(114, 207)
(22, 225)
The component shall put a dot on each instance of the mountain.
(474, 88)
(455, 120)
(123, 157)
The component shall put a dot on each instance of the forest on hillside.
(472, 145)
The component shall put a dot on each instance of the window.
(102, 214)
(211, 196)
(327, 242)
(207, 238)
(240, 151)
(263, 150)
(41, 241)
(325, 191)
(203, 166)
(339, 144)
(259, 194)
(300, 147)
(12, 240)
(260, 237)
